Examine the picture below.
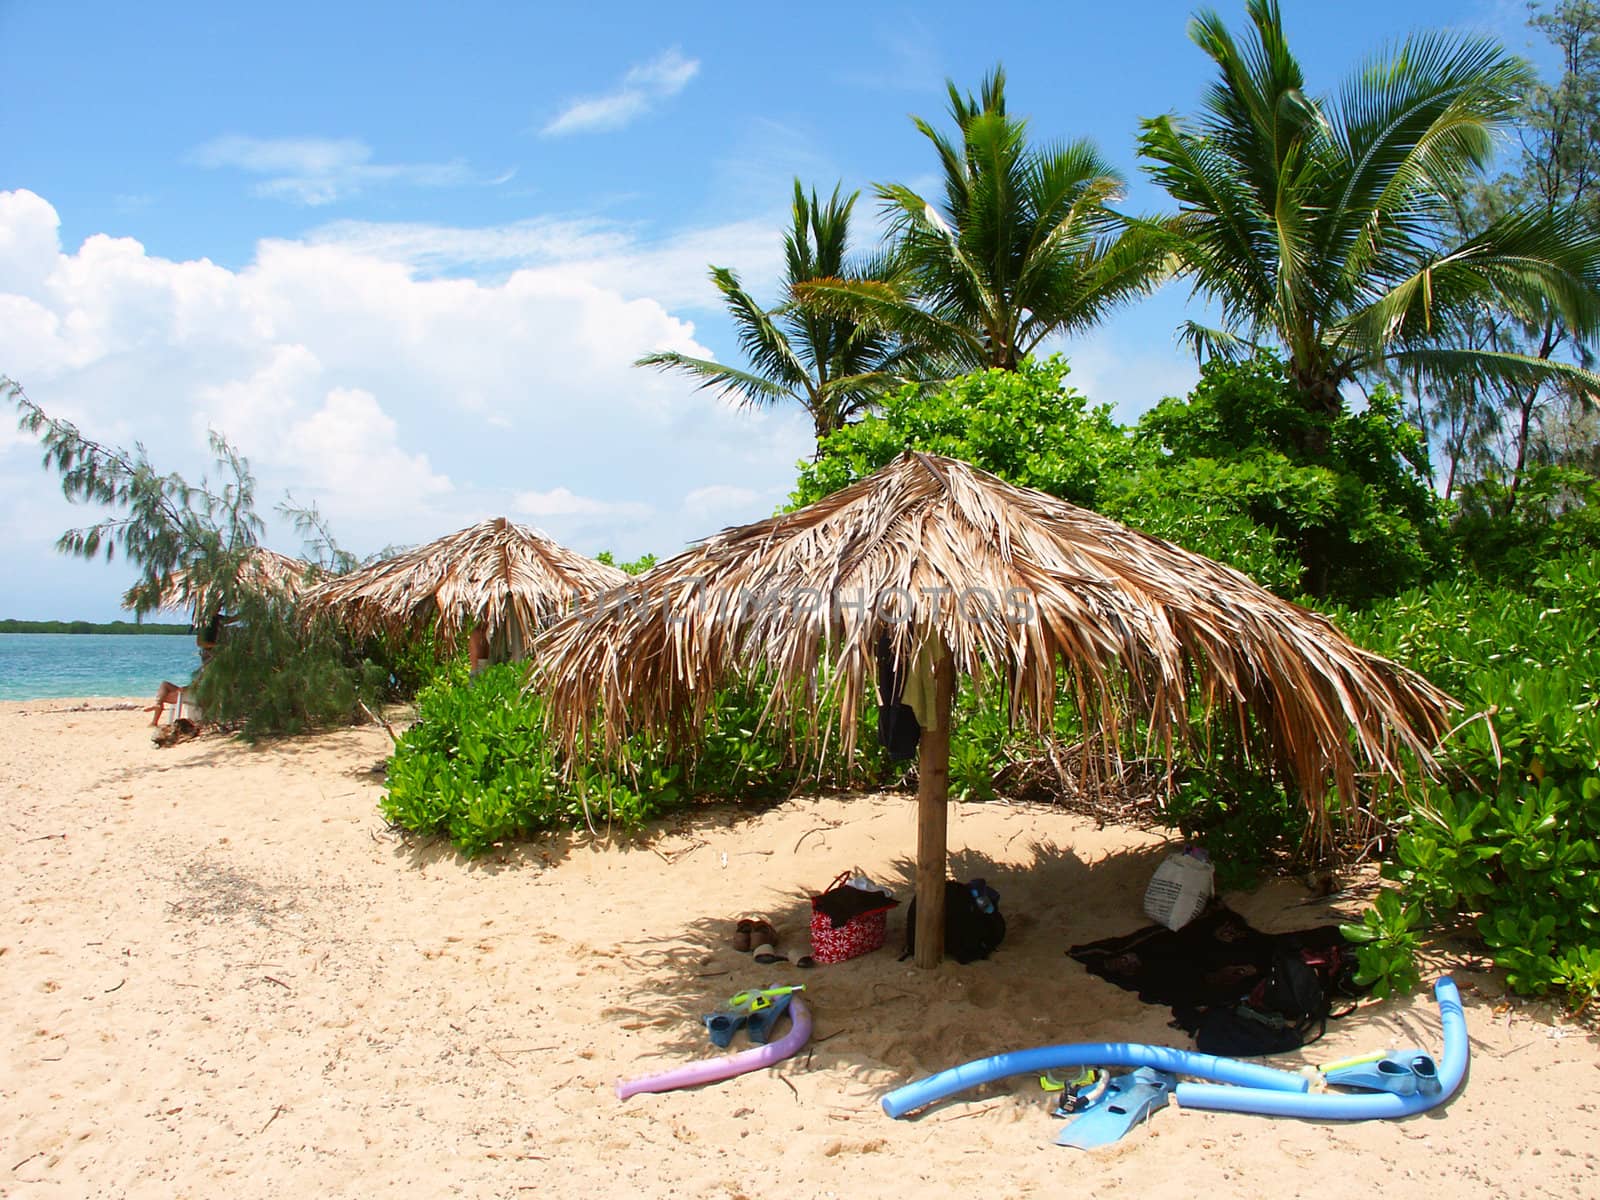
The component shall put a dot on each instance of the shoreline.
(225, 971)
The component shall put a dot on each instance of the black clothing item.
(898, 731)
(1215, 960)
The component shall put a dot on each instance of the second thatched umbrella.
(505, 578)
(953, 563)
(259, 570)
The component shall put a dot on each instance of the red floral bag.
(861, 933)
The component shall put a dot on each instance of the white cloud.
(672, 270)
(317, 171)
(562, 502)
(349, 453)
(642, 87)
(719, 498)
(405, 406)
(27, 242)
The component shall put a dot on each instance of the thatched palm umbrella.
(260, 570)
(507, 579)
(932, 551)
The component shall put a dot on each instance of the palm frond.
(1497, 368)
(743, 387)
(885, 306)
(1209, 342)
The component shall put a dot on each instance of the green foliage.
(1512, 839)
(1225, 472)
(1330, 505)
(1238, 811)
(270, 674)
(1495, 433)
(476, 766)
(1386, 946)
(1320, 224)
(1026, 426)
(637, 567)
(479, 767)
(411, 661)
(1506, 535)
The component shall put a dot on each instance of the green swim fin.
(1128, 1100)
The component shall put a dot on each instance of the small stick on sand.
(377, 720)
(276, 1113)
(972, 1112)
(809, 832)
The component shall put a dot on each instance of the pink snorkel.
(712, 1069)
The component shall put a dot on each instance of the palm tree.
(832, 366)
(1024, 246)
(1323, 225)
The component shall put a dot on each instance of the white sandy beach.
(221, 975)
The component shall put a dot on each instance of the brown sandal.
(764, 942)
(741, 935)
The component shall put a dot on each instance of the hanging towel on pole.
(920, 694)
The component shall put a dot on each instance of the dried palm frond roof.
(1013, 580)
(509, 578)
(260, 570)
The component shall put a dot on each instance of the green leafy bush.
(1554, 514)
(272, 674)
(411, 661)
(1239, 812)
(1511, 839)
(479, 768)
(637, 567)
(1335, 507)
(1026, 426)
(1386, 946)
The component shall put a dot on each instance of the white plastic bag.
(861, 881)
(1179, 890)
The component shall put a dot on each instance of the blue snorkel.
(1257, 1089)
(1430, 1090)
(1087, 1054)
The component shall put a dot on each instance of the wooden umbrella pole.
(933, 798)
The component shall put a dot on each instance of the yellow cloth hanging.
(921, 693)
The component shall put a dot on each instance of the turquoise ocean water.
(38, 666)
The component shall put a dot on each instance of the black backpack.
(1287, 1010)
(973, 926)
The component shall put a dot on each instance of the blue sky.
(403, 254)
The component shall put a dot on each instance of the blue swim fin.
(722, 1026)
(1403, 1072)
(1128, 1100)
(764, 1018)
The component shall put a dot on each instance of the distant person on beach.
(167, 693)
(206, 638)
(477, 650)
